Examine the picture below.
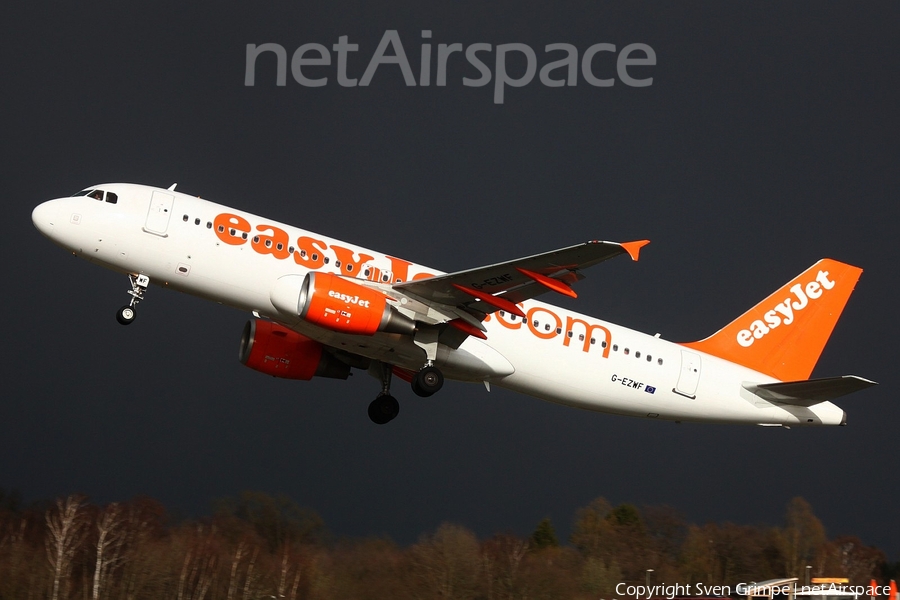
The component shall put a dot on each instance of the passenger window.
(221, 229)
(615, 347)
(209, 224)
(659, 361)
(349, 268)
(626, 351)
(637, 354)
(255, 239)
(649, 358)
(197, 221)
(184, 218)
(337, 264)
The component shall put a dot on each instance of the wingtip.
(634, 248)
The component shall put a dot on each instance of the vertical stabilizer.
(784, 335)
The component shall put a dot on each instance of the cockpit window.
(98, 195)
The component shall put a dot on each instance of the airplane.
(322, 307)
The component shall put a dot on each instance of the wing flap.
(810, 391)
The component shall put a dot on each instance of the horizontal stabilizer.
(809, 391)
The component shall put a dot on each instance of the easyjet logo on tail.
(783, 336)
(785, 312)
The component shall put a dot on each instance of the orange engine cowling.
(275, 350)
(338, 304)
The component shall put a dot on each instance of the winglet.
(634, 248)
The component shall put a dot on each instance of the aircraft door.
(689, 376)
(159, 212)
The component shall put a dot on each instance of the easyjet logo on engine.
(785, 313)
(348, 298)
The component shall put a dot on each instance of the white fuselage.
(557, 355)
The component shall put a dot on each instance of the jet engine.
(277, 351)
(339, 304)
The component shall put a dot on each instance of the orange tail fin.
(784, 335)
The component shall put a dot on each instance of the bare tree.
(502, 558)
(110, 541)
(235, 563)
(802, 536)
(448, 563)
(65, 532)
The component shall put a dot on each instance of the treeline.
(259, 546)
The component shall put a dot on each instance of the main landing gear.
(428, 381)
(385, 407)
(127, 313)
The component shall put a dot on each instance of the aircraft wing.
(810, 391)
(497, 287)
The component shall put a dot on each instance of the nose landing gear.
(127, 313)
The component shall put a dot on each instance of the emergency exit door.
(159, 212)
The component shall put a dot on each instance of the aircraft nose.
(44, 216)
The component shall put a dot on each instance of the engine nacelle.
(275, 350)
(339, 304)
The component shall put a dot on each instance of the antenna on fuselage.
(171, 188)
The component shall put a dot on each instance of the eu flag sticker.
(650, 389)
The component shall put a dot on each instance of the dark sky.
(768, 140)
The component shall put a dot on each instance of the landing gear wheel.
(427, 382)
(126, 315)
(384, 409)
